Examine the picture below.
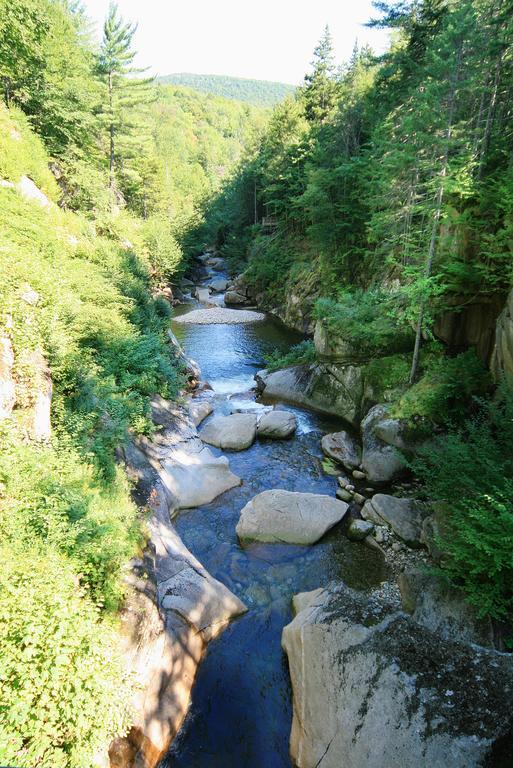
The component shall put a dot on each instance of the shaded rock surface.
(199, 410)
(403, 516)
(233, 298)
(234, 432)
(442, 609)
(277, 424)
(372, 688)
(287, 516)
(381, 462)
(342, 447)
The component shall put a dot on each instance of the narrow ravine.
(241, 708)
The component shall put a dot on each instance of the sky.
(262, 39)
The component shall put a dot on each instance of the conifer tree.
(123, 91)
(320, 88)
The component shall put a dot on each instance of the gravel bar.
(220, 315)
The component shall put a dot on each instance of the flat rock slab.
(202, 601)
(194, 476)
(235, 432)
(403, 516)
(220, 315)
(342, 447)
(277, 424)
(289, 517)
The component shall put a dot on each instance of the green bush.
(471, 470)
(445, 391)
(165, 254)
(301, 353)
(366, 319)
(63, 691)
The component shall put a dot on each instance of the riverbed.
(241, 709)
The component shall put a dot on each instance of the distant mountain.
(261, 93)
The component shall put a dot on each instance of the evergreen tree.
(320, 89)
(123, 91)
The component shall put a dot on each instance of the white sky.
(263, 39)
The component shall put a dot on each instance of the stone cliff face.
(502, 356)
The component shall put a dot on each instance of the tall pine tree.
(320, 88)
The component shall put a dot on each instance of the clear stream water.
(241, 710)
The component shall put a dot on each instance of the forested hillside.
(100, 172)
(260, 93)
(379, 205)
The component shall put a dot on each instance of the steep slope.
(260, 93)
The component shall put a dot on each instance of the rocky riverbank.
(403, 673)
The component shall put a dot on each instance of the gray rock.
(277, 424)
(373, 689)
(439, 607)
(286, 516)
(202, 294)
(336, 390)
(342, 447)
(218, 286)
(380, 462)
(199, 410)
(7, 388)
(359, 475)
(232, 298)
(359, 499)
(359, 530)
(403, 516)
(344, 495)
(235, 432)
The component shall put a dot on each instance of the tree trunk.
(111, 135)
(436, 222)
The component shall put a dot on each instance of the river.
(241, 710)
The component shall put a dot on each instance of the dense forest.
(260, 93)
(100, 174)
(379, 202)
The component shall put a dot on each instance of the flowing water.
(241, 709)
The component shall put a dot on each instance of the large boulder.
(233, 298)
(381, 462)
(336, 390)
(277, 424)
(199, 410)
(202, 294)
(372, 688)
(335, 348)
(502, 357)
(218, 285)
(342, 447)
(287, 516)
(403, 516)
(235, 432)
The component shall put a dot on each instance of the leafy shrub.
(471, 470)
(366, 319)
(445, 391)
(304, 352)
(269, 263)
(63, 691)
(164, 252)
(390, 372)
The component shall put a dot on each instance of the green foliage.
(445, 391)
(259, 93)
(63, 691)
(470, 470)
(366, 319)
(164, 253)
(299, 354)
(388, 373)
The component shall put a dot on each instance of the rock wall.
(174, 607)
(372, 688)
(502, 356)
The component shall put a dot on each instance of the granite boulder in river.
(289, 517)
(373, 689)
